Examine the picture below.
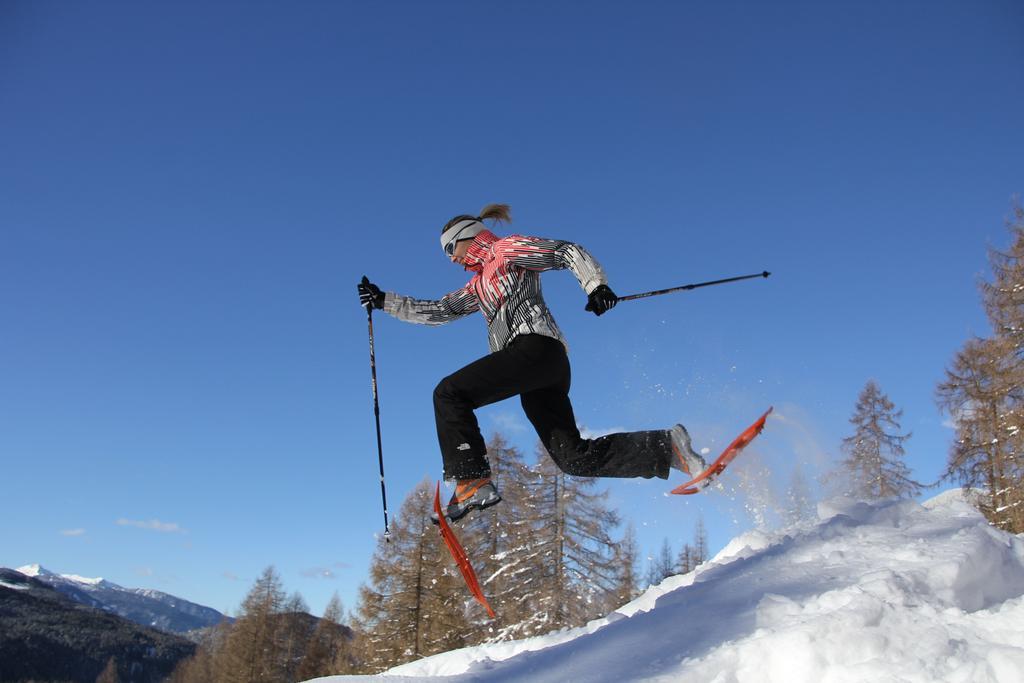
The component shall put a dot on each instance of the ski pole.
(376, 415)
(657, 292)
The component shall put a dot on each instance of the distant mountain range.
(48, 635)
(68, 628)
(146, 607)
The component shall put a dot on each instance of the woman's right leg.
(525, 365)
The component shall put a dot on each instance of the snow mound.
(890, 591)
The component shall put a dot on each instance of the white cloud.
(509, 422)
(588, 433)
(325, 572)
(319, 573)
(72, 532)
(152, 525)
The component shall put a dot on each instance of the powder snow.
(888, 591)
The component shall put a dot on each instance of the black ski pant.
(536, 368)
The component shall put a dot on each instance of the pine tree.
(692, 556)
(501, 542)
(652, 577)
(1004, 305)
(273, 641)
(200, 668)
(109, 673)
(985, 454)
(544, 556)
(294, 634)
(665, 565)
(576, 563)
(296, 604)
(874, 464)
(326, 652)
(402, 611)
(338, 639)
(1003, 298)
(253, 648)
(203, 666)
(700, 542)
(660, 566)
(627, 586)
(984, 392)
(686, 562)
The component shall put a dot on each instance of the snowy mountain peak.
(89, 583)
(35, 571)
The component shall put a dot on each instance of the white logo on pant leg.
(463, 447)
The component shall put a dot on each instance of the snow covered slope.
(870, 592)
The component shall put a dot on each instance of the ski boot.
(470, 494)
(684, 458)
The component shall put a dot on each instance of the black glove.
(370, 294)
(601, 300)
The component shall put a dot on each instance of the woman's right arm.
(452, 306)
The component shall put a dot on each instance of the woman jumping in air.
(527, 359)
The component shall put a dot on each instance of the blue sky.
(190, 191)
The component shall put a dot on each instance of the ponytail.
(501, 213)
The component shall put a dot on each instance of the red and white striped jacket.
(505, 288)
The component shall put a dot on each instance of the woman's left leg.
(629, 454)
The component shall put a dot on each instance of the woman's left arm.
(538, 253)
